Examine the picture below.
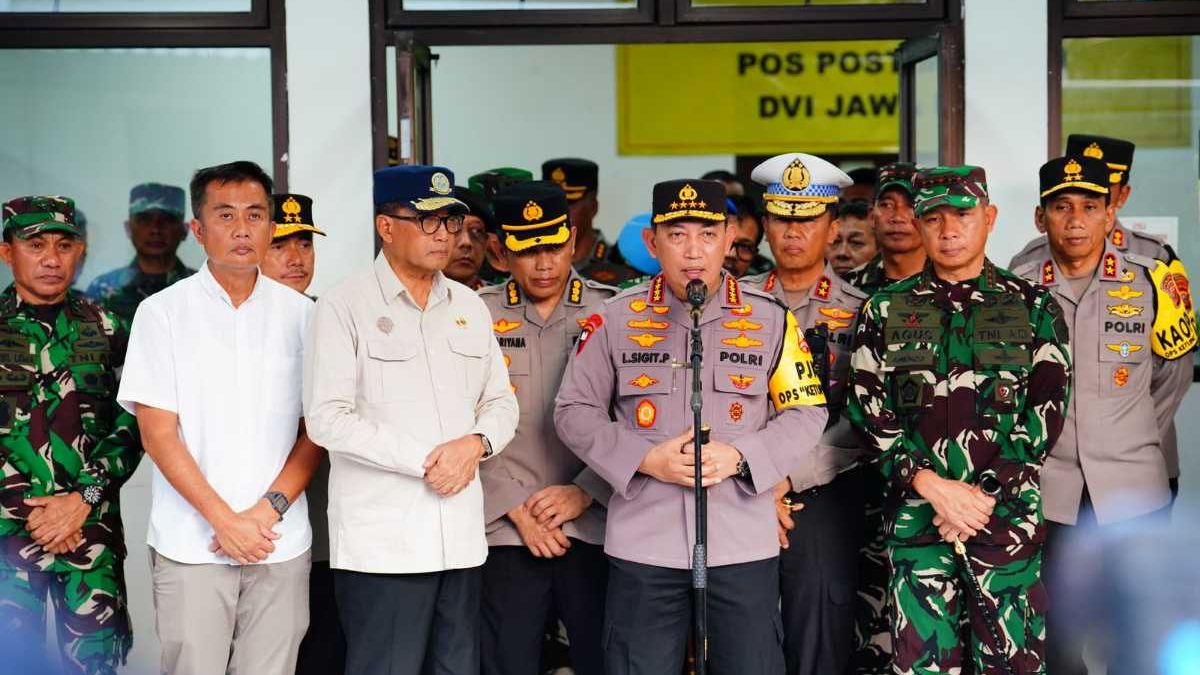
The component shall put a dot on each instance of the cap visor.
(1079, 186)
(438, 203)
(287, 230)
(892, 185)
(42, 228)
(955, 201)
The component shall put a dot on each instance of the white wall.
(519, 106)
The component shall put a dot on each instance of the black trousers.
(818, 577)
(521, 592)
(648, 617)
(1064, 648)
(323, 650)
(410, 624)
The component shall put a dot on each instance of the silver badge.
(384, 324)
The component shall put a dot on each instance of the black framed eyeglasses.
(744, 250)
(430, 222)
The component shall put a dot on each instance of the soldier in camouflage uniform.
(65, 446)
(960, 380)
(1117, 156)
(156, 229)
(901, 254)
(820, 505)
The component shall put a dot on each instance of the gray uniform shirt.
(535, 351)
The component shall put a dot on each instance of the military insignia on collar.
(384, 324)
(741, 381)
(646, 340)
(656, 295)
(1125, 293)
(741, 325)
(736, 411)
(439, 183)
(1123, 348)
(461, 322)
(1118, 237)
(503, 326)
(1109, 270)
(1125, 310)
(576, 293)
(796, 176)
(822, 288)
(1047, 272)
(646, 414)
(733, 292)
(769, 285)
(744, 310)
(642, 381)
(742, 342)
(1121, 376)
(647, 323)
(512, 294)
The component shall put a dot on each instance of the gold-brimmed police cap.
(1117, 153)
(532, 214)
(1073, 173)
(293, 213)
(688, 199)
(575, 176)
(799, 185)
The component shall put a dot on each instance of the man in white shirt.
(213, 374)
(406, 387)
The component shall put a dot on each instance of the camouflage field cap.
(960, 187)
(27, 216)
(156, 197)
(895, 175)
(487, 183)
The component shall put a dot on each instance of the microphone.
(697, 293)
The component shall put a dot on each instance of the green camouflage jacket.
(124, 288)
(961, 378)
(61, 429)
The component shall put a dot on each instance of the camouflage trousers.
(938, 627)
(94, 632)
(872, 614)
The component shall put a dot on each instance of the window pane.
(92, 123)
(927, 114)
(793, 3)
(70, 6)
(532, 5)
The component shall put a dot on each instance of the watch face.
(92, 495)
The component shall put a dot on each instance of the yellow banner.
(763, 98)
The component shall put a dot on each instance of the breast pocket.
(643, 391)
(394, 370)
(742, 401)
(1001, 378)
(94, 387)
(910, 373)
(469, 353)
(14, 398)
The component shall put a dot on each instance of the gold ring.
(786, 501)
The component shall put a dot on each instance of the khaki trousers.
(234, 619)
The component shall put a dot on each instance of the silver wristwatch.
(487, 446)
(278, 501)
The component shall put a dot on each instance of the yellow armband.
(794, 381)
(1174, 332)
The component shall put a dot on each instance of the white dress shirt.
(233, 376)
(384, 383)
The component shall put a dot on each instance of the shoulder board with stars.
(733, 291)
(512, 294)
(657, 293)
(575, 296)
(772, 279)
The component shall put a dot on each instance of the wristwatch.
(743, 467)
(278, 501)
(487, 446)
(92, 495)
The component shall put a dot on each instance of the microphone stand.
(699, 552)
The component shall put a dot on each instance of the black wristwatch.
(92, 495)
(743, 468)
(278, 501)
(487, 446)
